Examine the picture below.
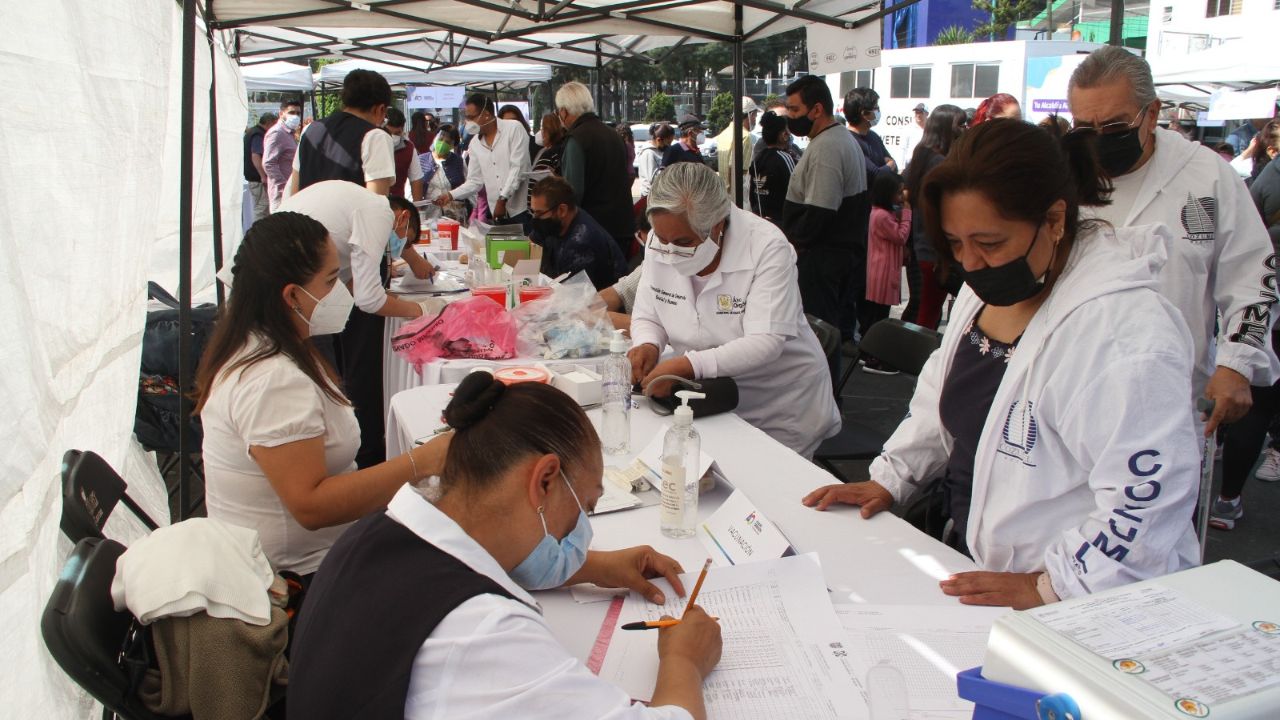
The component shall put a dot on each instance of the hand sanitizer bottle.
(616, 398)
(681, 449)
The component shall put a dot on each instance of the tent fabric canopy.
(493, 20)
(277, 75)
(511, 74)
(1237, 63)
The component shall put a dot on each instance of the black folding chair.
(90, 491)
(86, 635)
(829, 339)
(896, 344)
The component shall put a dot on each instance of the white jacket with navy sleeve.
(1088, 464)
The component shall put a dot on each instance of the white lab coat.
(1220, 257)
(753, 291)
(1087, 467)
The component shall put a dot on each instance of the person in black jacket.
(941, 130)
(571, 239)
(771, 170)
(595, 164)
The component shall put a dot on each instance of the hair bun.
(473, 399)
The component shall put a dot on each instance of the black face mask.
(546, 226)
(1118, 153)
(1007, 284)
(801, 126)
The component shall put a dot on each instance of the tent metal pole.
(739, 91)
(599, 80)
(213, 168)
(186, 177)
(1117, 23)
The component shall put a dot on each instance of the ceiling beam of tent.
(362, 45)
(402, 66)
(648, 5)
(805, 15)
(579, 17)
(667, 53)
(512, 10)
(556, 9)
(382, 9)
(883, 11)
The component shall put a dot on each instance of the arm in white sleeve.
(475, 179)
(370, 230)
(378, 156)
(517, 149)
(645, 325)
(415, 169)
(1144, 477)
(736, 356)
(1244, 284)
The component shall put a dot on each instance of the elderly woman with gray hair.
(719, 287)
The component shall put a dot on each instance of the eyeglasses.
(655, 245)
(1115, 128)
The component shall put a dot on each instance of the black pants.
(915, 279)
(361, 354)
(855, 291)
(824, 277)
(870, 313)
(1244, 439)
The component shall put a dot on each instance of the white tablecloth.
(881, 560)
(398, 375)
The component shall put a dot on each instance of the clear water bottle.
(681, 450)
(616, 398)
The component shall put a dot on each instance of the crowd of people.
(1104, 277)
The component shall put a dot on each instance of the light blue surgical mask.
(552, 561)
(875, 119)
(396, 243)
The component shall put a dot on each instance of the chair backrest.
(90, 491)
(829, 339)
(902, 346)
(83, 631)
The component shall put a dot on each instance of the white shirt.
(501, 169)
(359, 223)
(377, 156)
(494, 657)
(746, 322)
(271, 403)
(1124, 194)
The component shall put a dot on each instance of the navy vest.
(378, 595)
(251, 170)
(330, 150)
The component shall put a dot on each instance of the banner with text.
(434, 97)
(834, 50)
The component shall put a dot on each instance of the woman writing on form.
(423, 610)
(1055, 410)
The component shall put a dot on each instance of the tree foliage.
(660, 108)
(953, 35)
(721, 114)
(1004, 14)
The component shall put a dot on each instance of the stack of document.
(783, 644)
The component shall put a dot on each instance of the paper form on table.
(780, 634)
(904, 658)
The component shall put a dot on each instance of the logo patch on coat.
(1199, 218)
(1020, 433)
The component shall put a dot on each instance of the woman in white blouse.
(280, 436)
(424, 611)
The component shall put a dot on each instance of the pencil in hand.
(693, 596)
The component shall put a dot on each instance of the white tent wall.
(84, 204)
(233, 119)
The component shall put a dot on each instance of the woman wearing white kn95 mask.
(423, 610)
(719, 286)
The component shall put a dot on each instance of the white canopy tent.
(277, 75)
(1237, 63)
(509, 74)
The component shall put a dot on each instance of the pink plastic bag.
(474, 328)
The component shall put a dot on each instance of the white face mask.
(292, 121)
(330, 314)
(681, 260)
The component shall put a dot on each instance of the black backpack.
(157, 416)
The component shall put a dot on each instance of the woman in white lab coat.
(1056, 410)
(719, 286)
(423, 610)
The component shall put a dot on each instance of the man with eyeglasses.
(1221, 260)
(570, 238)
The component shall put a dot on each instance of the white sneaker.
(1269, 470)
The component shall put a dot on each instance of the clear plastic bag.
(570, 323)
(473, 328)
